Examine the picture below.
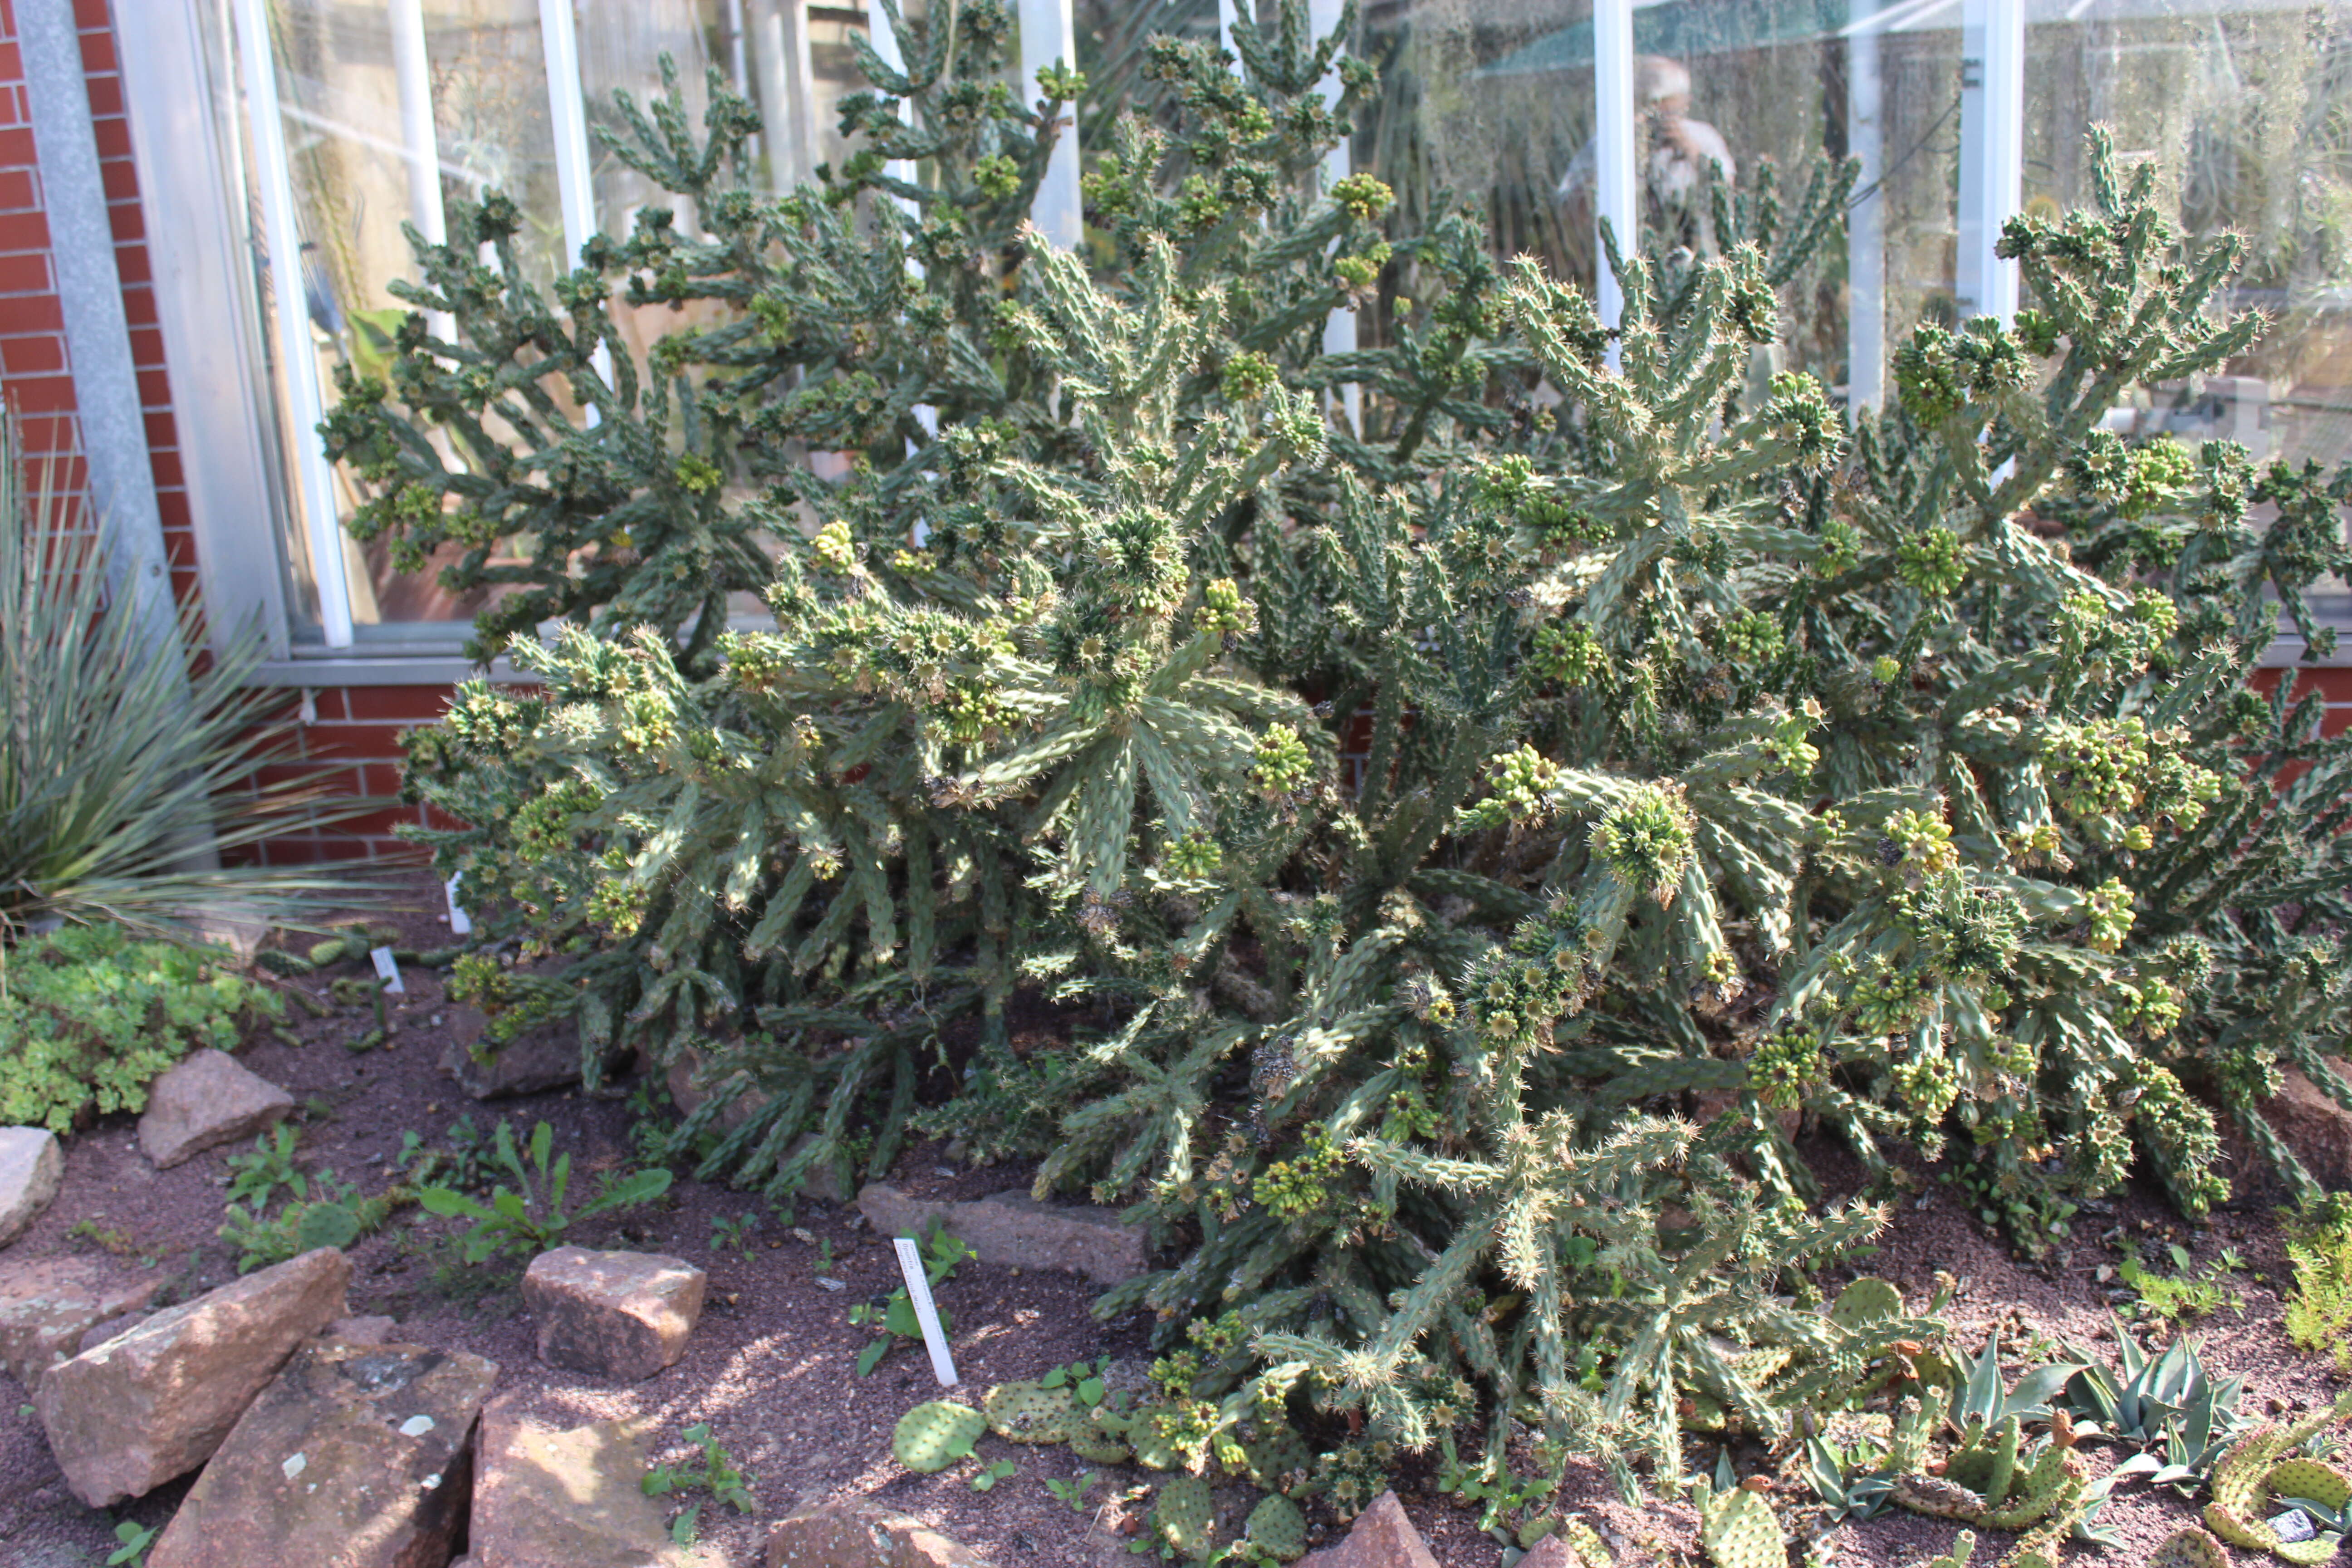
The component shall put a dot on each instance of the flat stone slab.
(31, 1166)
(354, 1456)
(203, 1103)
(859, 1535)
(156, 1400)
(568, 1499)
(46, 1305)
(623, 1315)
(1013, 1229)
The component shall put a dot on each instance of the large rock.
(859, 1535)
(353, 1456)
(155, 1401)
(549, 1498)
(544, 1058)
(206, 1101)
(1381, 1537)
(616, 1314)
(1012, 1227)
(2318, 1130)
(48, 1304)
(31, 1166)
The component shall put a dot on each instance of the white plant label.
(387, 971)
(460, 924)
(919, 1291)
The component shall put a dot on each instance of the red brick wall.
(354, 731)
(354, 728)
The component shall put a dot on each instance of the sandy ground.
(771, 1367)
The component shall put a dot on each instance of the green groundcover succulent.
(1423, 858)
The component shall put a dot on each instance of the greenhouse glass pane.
(349, 154)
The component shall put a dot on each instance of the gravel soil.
(771, 1368)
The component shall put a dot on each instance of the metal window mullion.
(1992, 152)
(1616, 194)
(1049, 35)
(576, 182)
(1865, 220)
(273, 172)
(420, 138)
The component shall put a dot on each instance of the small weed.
(733, 1233)
(463, 1160)
(825, 1256)
(713, 1472)
(135, 1539)
(532, 1218)
(106, 1238)
(2188, 1293)
(1003, 1470)
(1083, 1379)
(942, 1254)
(1073, 1493)
(255, 1177)
(2319, 1245)
(337, 1218)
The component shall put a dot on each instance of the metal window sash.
(221, 404)
(314, 477)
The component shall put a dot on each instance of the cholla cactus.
(1408, 821)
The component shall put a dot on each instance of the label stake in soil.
(459, 925)
(387, 970)
(919, 1291)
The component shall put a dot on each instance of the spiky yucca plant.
(128, 779)
(1402, 822)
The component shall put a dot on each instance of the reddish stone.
(154, 1402)
(616, 1314)
(206, 1101)
(1381, 1537)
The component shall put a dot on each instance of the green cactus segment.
(1027, 1412)
(1739, 1531)
(1097, 1446)
(934, 1436)
(1278, 1461)
(1865, 1302)
(2248, 1477)
(1276, 1525)
(1186, 1516)
(2190, 1548)
(2310, 1478)
(1585, 1544)
(2043, 1548)
(1963, 1546)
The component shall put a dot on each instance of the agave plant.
(127, 779)
(2177, 1411)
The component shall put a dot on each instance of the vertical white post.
(575, 181)
(304, 399)
(884, 39)
(575, 185)
(420, 140)
(1617, 195)
(739, 60)
(1992, 152)
(781, 64)
(1339, 328)
(1865, 220)
(1049, 35)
